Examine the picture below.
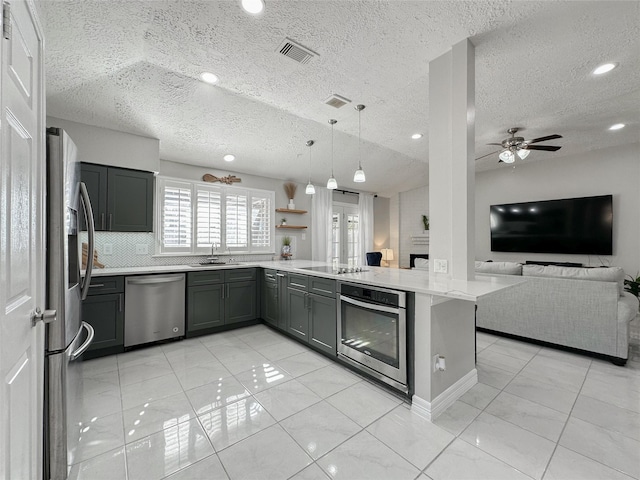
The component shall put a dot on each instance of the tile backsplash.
(125, 246)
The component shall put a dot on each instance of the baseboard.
(431, 410)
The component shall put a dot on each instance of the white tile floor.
(252, 404)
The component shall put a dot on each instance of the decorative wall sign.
(229, 179)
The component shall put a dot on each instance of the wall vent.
(336, 101)
(295, 51)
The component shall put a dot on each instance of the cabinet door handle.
(299, 285)
(281, 274)
(110, 221)
(102, 221)
(96, 285)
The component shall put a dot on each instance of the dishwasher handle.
(154, 281)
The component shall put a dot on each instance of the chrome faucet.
(213, 258)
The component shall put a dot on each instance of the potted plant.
(283, 221)
(290, 189)
(632, 285)
(425, 223)
(286, 247)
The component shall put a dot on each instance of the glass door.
(345, 235)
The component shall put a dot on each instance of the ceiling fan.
(513, 146)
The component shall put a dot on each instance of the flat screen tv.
(570, 225)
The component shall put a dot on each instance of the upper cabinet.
(122, 199)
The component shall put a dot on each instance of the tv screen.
(571, 225)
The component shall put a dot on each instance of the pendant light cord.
(332, 148)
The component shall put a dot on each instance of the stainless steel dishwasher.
(153, 308)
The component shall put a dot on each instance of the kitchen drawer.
(269, 276)
(105, 285)
(240, 275)
(299, 282)
(322, 286)
(205, 277)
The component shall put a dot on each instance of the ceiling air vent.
(295, 51)
(336, 101)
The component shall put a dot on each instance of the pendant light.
(331, 183)
(310, 190)
(359, 176)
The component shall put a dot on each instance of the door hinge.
(6, 20)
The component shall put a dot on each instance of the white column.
(451, 161)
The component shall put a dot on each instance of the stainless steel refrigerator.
(67, 337)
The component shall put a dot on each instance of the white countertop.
(419, 281)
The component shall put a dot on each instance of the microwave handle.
(370, 306)
(91, 230)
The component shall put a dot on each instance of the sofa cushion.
(421, 264)
(504, 268)
(606, 274)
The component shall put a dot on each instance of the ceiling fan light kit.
(359, 176)
(513, 146)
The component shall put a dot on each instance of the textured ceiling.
(134, 66)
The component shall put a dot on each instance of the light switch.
(142, 249)
(107, 249)
(441, 266)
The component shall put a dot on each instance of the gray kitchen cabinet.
(323, 318)
(269, 308)
(240, 302)
(122, 199)
(216, 298)
(205, 307)
(298, 313)
(312, 317)
(103, 309)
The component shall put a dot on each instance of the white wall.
(613, 171)
(301, 246)
(381, 224)
(110, 147)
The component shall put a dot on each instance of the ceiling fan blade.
(494, 144)
(544, 139)
(492, 153)
(548, 148)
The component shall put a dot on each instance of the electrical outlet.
(441, 266)
(107, 249)
(438, 363)
(142, 249)
(304, 236)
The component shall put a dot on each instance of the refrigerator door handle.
(86, 344)
(88, 216)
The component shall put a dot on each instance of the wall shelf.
(286, 210)
(295, 227)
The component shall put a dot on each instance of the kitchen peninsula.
(440, 319)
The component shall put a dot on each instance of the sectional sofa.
(580, 308)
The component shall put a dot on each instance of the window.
(194, 216)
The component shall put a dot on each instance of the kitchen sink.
(212, 264)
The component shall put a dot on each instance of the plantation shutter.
(208, 217)
(261, 222)
(236, 229)
(176, 216)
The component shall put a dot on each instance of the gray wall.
(613, 171)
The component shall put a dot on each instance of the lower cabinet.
(269, 309)
(103, 309)
(220, 297)
(205, 306)
(313, 316)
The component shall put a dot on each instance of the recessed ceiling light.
(416, 136)
(208, 77)
(253, 6)
(229, 158)
(617, 126)
(604, 68)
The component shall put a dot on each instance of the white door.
(345, 236)
(22, 253)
